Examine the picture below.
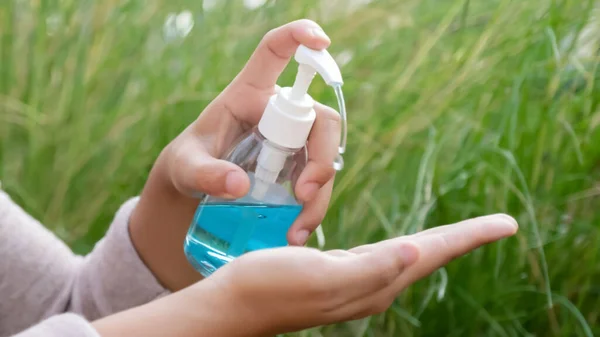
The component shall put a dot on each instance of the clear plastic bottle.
(273, 155)
(224, 229)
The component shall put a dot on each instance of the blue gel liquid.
(222, 232)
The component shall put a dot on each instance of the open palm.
(293, 288)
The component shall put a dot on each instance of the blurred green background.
(456, 109)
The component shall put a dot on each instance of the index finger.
(257, 80)
(275, 50)
(323, 143)
(315, 183)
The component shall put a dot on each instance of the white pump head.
(322, 62)
(290, 114)
(312, 61)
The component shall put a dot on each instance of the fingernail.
(302, 236)
(233, 181)
(311, 190)
(509, 219)
(318, 32)
(503, 225)
(409, 254)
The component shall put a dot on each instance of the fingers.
(275, 50)
(194, 171)
(435, 247)
(315, 184)
(323, 143)
(354, 277)
(441, 245)
(311, 216)
(379, 268)
(360, 277)
(468, 222)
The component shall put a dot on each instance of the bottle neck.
(285, 122)
(271, 161)
(265, 140)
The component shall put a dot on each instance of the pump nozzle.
(311, 62)
(321, 62)
(289, 115)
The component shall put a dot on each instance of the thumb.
(197, 172)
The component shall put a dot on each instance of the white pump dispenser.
(290, 114)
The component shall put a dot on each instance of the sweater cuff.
(65, 325)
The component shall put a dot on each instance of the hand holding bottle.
(188, 166)
(280, 290)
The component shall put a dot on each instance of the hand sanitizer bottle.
(273, 155)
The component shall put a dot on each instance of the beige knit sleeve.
(40, 277)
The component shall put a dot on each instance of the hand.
(188, 166)
(293, 288)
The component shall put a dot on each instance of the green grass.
(456, 109)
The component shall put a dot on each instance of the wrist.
(158, 226)
(169, 316)
(217, 311)
(201, 310)
(245, 313)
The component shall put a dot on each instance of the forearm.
(196, 312)
(158, 227)
(159, 318)
(65, 325)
